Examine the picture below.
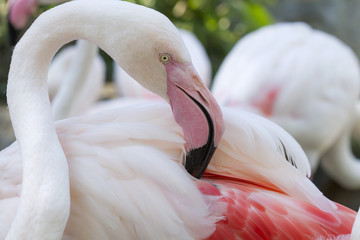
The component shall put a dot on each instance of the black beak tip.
(13, 35)
(198, 159)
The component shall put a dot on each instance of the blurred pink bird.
(21, 10)
(306, 81)
(124, 165)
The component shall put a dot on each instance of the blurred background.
(219, 24)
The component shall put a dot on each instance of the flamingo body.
(301, 86)
(255, 212)
(115, 190)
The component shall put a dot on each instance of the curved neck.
(64, 104)
(340, 163)
(45, 198)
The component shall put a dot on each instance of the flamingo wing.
(255, 212)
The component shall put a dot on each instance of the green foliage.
(3, 27)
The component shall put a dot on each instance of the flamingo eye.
(164, 58)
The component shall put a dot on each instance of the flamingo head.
(160, 62)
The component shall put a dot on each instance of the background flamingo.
(303, 86)
(76, 76)
(132, 166)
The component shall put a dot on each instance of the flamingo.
(305, 80)
(124, 166)
(74, 97)
(128, 87)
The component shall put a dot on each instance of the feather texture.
(126, 162)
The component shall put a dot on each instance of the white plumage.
(115, 189)
(305, 80)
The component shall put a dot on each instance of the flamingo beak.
(12, 32)
(197, 112)
(19, 13)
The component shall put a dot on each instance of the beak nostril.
(202, 97)
(198, 83)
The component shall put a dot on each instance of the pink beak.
(197, 112)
